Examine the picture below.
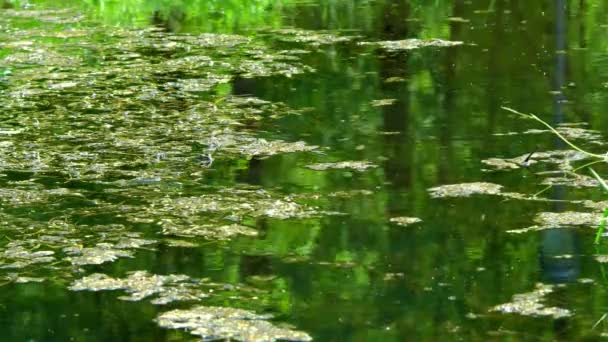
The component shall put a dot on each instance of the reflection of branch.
(534, 117)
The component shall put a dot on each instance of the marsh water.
(294, 170)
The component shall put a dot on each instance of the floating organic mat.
(404, 221)
(411, 44)
(263, 147)
(465, 189)
(21, 257)
(563, 159)
(40, 246)
(569, 131)
(529, 304)
(220, 323)
(572, 179)
(383, 102)
(505, 164)
(394, 79)
(602, 258)
(141, 284)
(208, 231)
(104, 252)
(566, 219)
(313, 38)
(355, 165)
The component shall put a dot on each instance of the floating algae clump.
(566, 219)
(313, 38)
(21, 257)
(355, 165)
(405, 221)
(383, 102)
(208, 231)
(465, 189)
(529, 304)
(219, 323)
(562, 158)
(411, 44)
(141, 284)
(103, 252)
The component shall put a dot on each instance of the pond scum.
(565, 173)
(122, 131)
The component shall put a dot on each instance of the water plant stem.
(603, 158)
(534, 117)
(602, 226)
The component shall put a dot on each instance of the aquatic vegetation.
(562, 136)
(465, 189)
(262, 147)
(568, 218)
(355, 165)
(383, 102)
(569, 131)
(140, 285)
(572, 179)
(207, 231)
(312, 38)
(411, 44)
(530, 304)
(563, 159)
(224, 323)
(552, 129)
(22, 257)
(236, 202)
(404, 220)
(104, 252)
(565, 219)
(505, 164)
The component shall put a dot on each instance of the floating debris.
(411, 44)
(383, 102)
(529, 304)
(393, 276)
(313, 38)
(568, 130)
(394, 79)
(355, 165)
(180, 243)
(262, 147)
(405, 221)
(211, 232)
(566, 219)
(221, 323)
(572, 179)
(21, 257)
(102, 253)
(200, 84)
(599, 206)
(141, 284)
(350, 193)
(505, 164)
(465, 189)
(602, 258)
(563, 159)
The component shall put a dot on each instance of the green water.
(135, 137)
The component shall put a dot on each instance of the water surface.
(193, 139)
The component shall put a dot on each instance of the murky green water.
(289, 171)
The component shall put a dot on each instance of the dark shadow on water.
(560, 260)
